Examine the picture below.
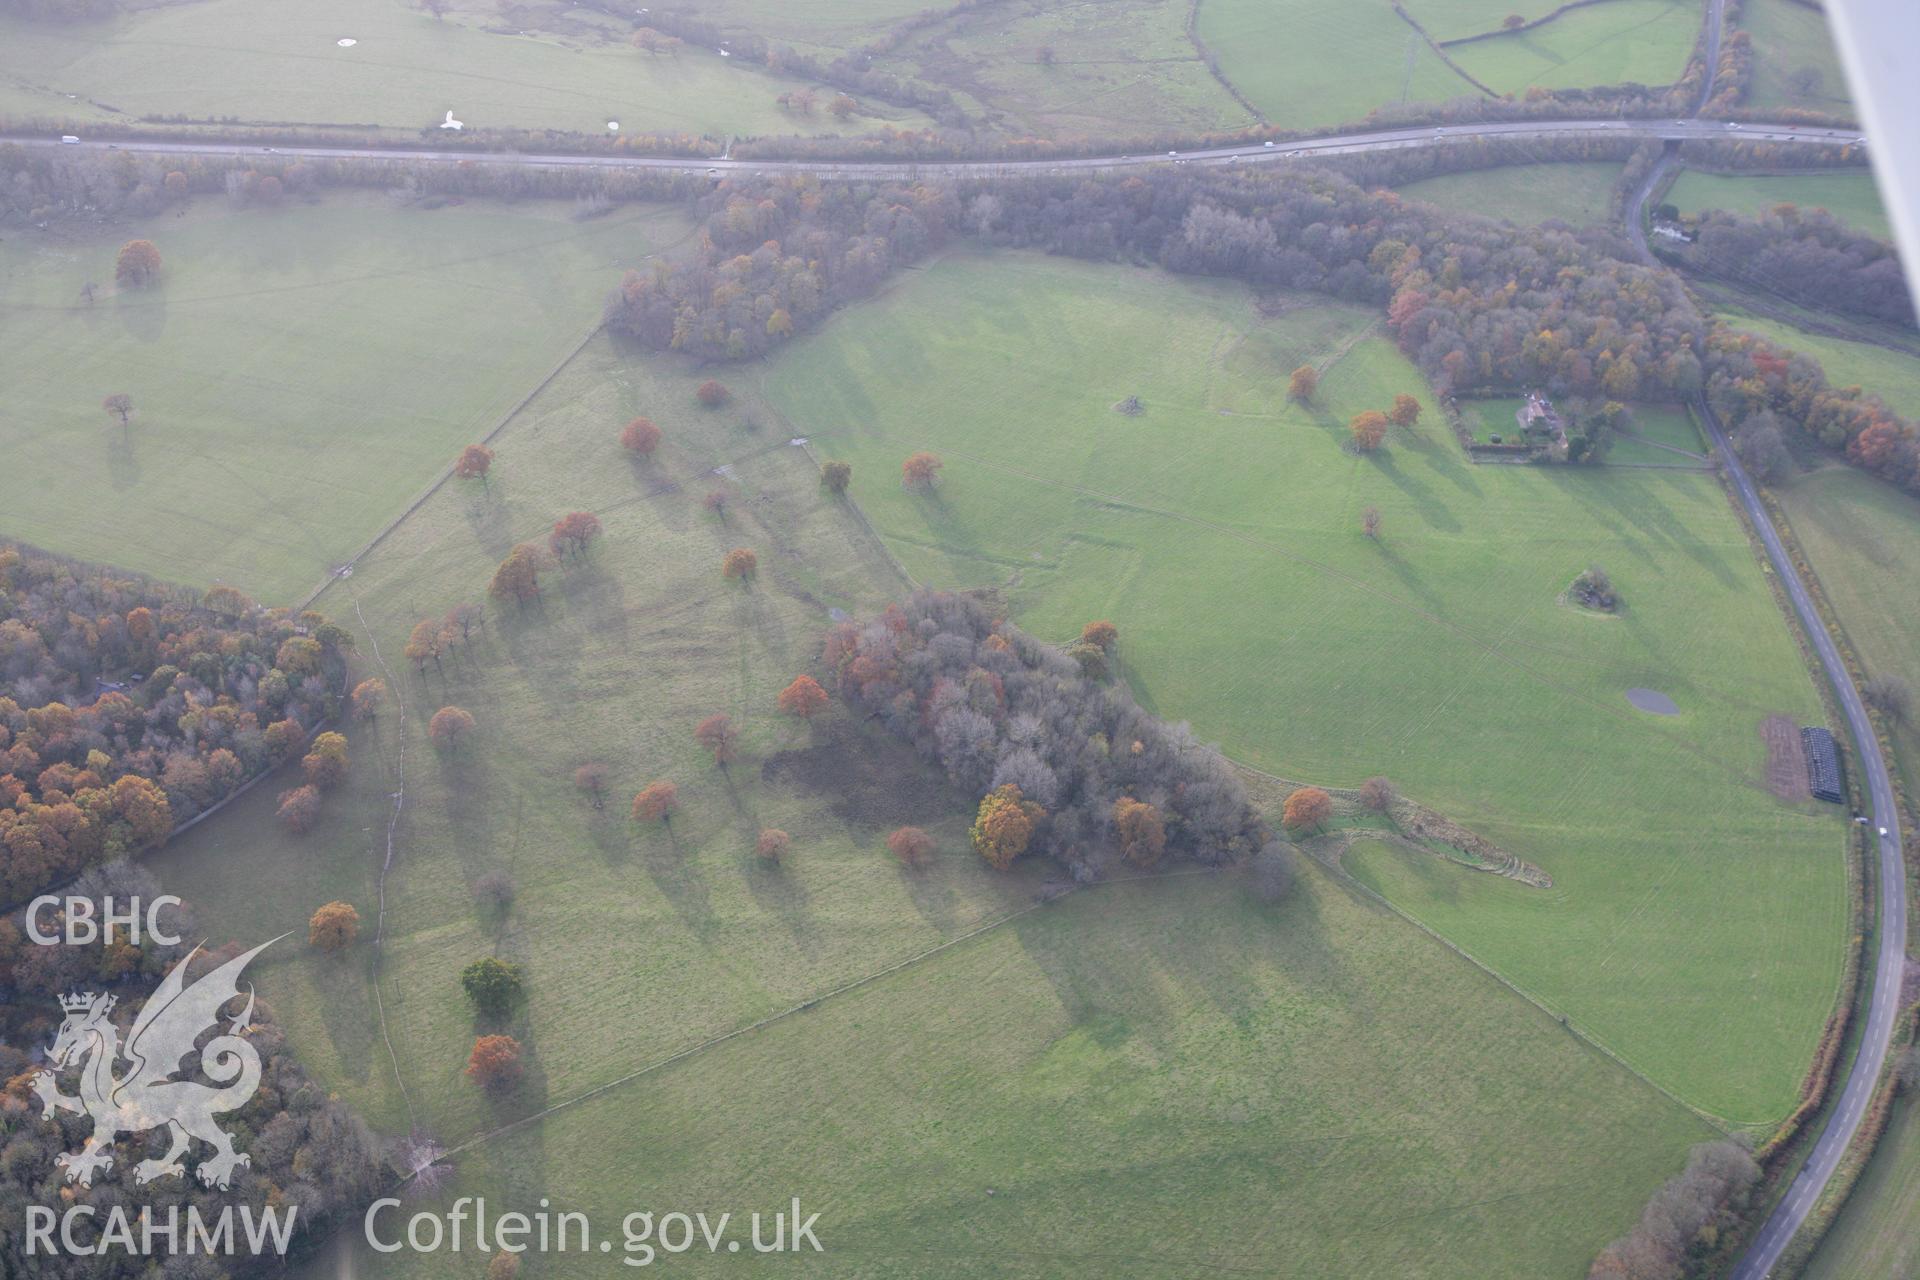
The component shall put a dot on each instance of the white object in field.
(1877, 39)
(613, 126)
(451, 123)
(346, 42)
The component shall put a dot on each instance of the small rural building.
(1538, 418)
(1823, 764)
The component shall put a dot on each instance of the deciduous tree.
(1303, 383)
(518, 577)
(592, 779)
(739, 563)
(1004, 826)
(836, 476)
(1103, 635)
(1142, 831)
(573, 532)
(913, 846)
(1369, 430)
(1405, 411)
(640, 437)
(426, 641)
(138, 264)
(495, 1063)
(1307, 807)
(300, 809)
(449, 728)
(920, 471)
(803, 699)
(1370, 522)
(656, 802)
(474, 462)
(772, 845)
(333, 927)
(326, 762)
(718, 735)
(368, 697)
(1377, 794)
(494, 986)
(712, 394)
(120, 405)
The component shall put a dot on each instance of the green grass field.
(1659, 430)
(1580, 194)
(279, 61)
(1151, 1077)
(1849, 196)
(1878, 1231)
(1457, 19)
(281, 412)
(1696, 927)
(1620, 42)
(1794, 61)
(1859, 534)
(1894, 376)
(1119, 69)
(1306, 64)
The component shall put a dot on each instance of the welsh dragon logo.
(146, 1097)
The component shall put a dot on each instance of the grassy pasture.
(1306, 64)
(1861, 534)
(278, 61)
(1620, 42)
(1655, 426)
(1849, 196)
(1457, 19)
(1696, 927)
(281, 416)
(1150, 1076)
(1878, 1231)
(1795, 63)
(1120, 68)
(1579, 193)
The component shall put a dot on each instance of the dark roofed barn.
(1823, 765)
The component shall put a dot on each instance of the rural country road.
(1299, 149)
(1888, 970)
(1889, 966)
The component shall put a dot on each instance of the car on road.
(1269, 142)
(1733, 124)
(68, 140)
(1173, 153)
(1883, 833)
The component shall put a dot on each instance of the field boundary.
(1441, 53)
(845, 988)
(1524, 27)
(1212, 64)
(341, 572)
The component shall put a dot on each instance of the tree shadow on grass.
(659, 851)
(777, 888)
(123, 462)
(1437, 514)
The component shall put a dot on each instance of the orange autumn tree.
(333, 927)
(773, 844)
(300, 809)
(367, 698)
(1102, 635)
(1004, 825)
(326, 762)
(1304, 382)
(640, 437)
(449, 728)
(1405, 411)
(1369, 430)
(572, 532)
(656, 802)
(803, 699)
(473, 463)
(1307, 807)
(920, 470)
(495, 1062)
(913, 846)
(518, 577)
(138, 264)
(1142, 831)
(739, 563)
